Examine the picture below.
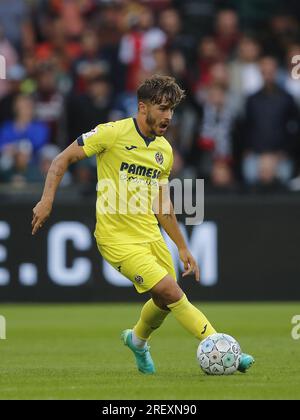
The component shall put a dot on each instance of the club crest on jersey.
(159, 158)
(139, 279)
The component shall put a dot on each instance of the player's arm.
(58, 168)
(164, 212)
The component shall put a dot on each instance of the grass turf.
(74, 352)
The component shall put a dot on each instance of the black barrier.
(248, 249)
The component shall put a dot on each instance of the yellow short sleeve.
(99, 139)
(164, 177)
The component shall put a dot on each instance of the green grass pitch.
(75, 352)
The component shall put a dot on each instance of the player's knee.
(166, 292)
(159, 302)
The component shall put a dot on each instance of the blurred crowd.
(73, 64)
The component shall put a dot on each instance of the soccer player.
(132, 154)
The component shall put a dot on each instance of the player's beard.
(152, 123)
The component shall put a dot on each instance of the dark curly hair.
(158, 88)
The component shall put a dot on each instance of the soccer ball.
(219, 354)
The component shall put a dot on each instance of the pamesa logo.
(2, 328)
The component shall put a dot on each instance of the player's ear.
(142, 108)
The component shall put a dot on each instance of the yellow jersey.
(130, 168)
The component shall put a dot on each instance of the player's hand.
(41, 213)
(190, 265)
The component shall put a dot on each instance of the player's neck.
(143, 126)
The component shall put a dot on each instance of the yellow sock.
(151, 318)
(191, 318)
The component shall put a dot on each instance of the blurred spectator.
(215, 138)
(57, 47)
(245, 75)
(125, 105)
(182, 126)
(24, 126)
(30, 64)
(178, 66)
(15, 77)
(156, 4)
(255, 13)
(181, 133)
(208, 55)
(198, 15)
(171, 24)
(85, 176)
(271, 121)
(10, 55)
(291, 85)
(46, 156)
(14, 16)
(72, 14)
(16, 166)
(218, 76)
(86, 111)
(93, 61)
(282, 31)
(49, 103)
(160, 64)
(227, 32)
(137, 46)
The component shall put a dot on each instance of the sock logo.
(204, 330)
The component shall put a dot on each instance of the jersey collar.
(147, 140)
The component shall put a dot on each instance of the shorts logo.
(159, 158)
(139, 279)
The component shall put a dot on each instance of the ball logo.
(159, 158)
(235, 349)
(139, 279)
